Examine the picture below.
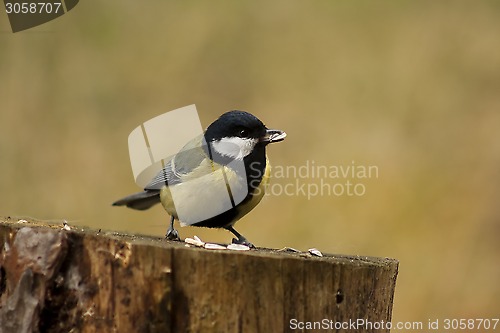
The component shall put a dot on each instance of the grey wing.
(184, 162)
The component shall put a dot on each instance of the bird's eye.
(244, 133)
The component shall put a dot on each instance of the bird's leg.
(172, 234)
(241, 239)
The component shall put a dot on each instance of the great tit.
(216, 178)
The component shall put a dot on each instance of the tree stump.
(82, 280)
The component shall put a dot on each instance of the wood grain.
(54, 280)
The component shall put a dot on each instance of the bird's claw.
(172, 234)
(243, 242)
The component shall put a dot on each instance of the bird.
(216, 178)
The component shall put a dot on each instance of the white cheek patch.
(234, 147)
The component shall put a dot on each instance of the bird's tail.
(140, 201)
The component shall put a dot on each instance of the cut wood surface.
(83, 280)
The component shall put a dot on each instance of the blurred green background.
(410, 87)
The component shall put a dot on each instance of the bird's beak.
(273, 136)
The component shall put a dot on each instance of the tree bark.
(81, 280)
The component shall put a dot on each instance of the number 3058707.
(32, 7)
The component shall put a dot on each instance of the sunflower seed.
(238, 247)
(66, 226)
(289, 249)
(195, 242)
(211, 246)
(315, 252)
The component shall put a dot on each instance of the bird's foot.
(172, 234)
(243, 241)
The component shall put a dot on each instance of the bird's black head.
(236, 134)
(238, 139)
(235, 124)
